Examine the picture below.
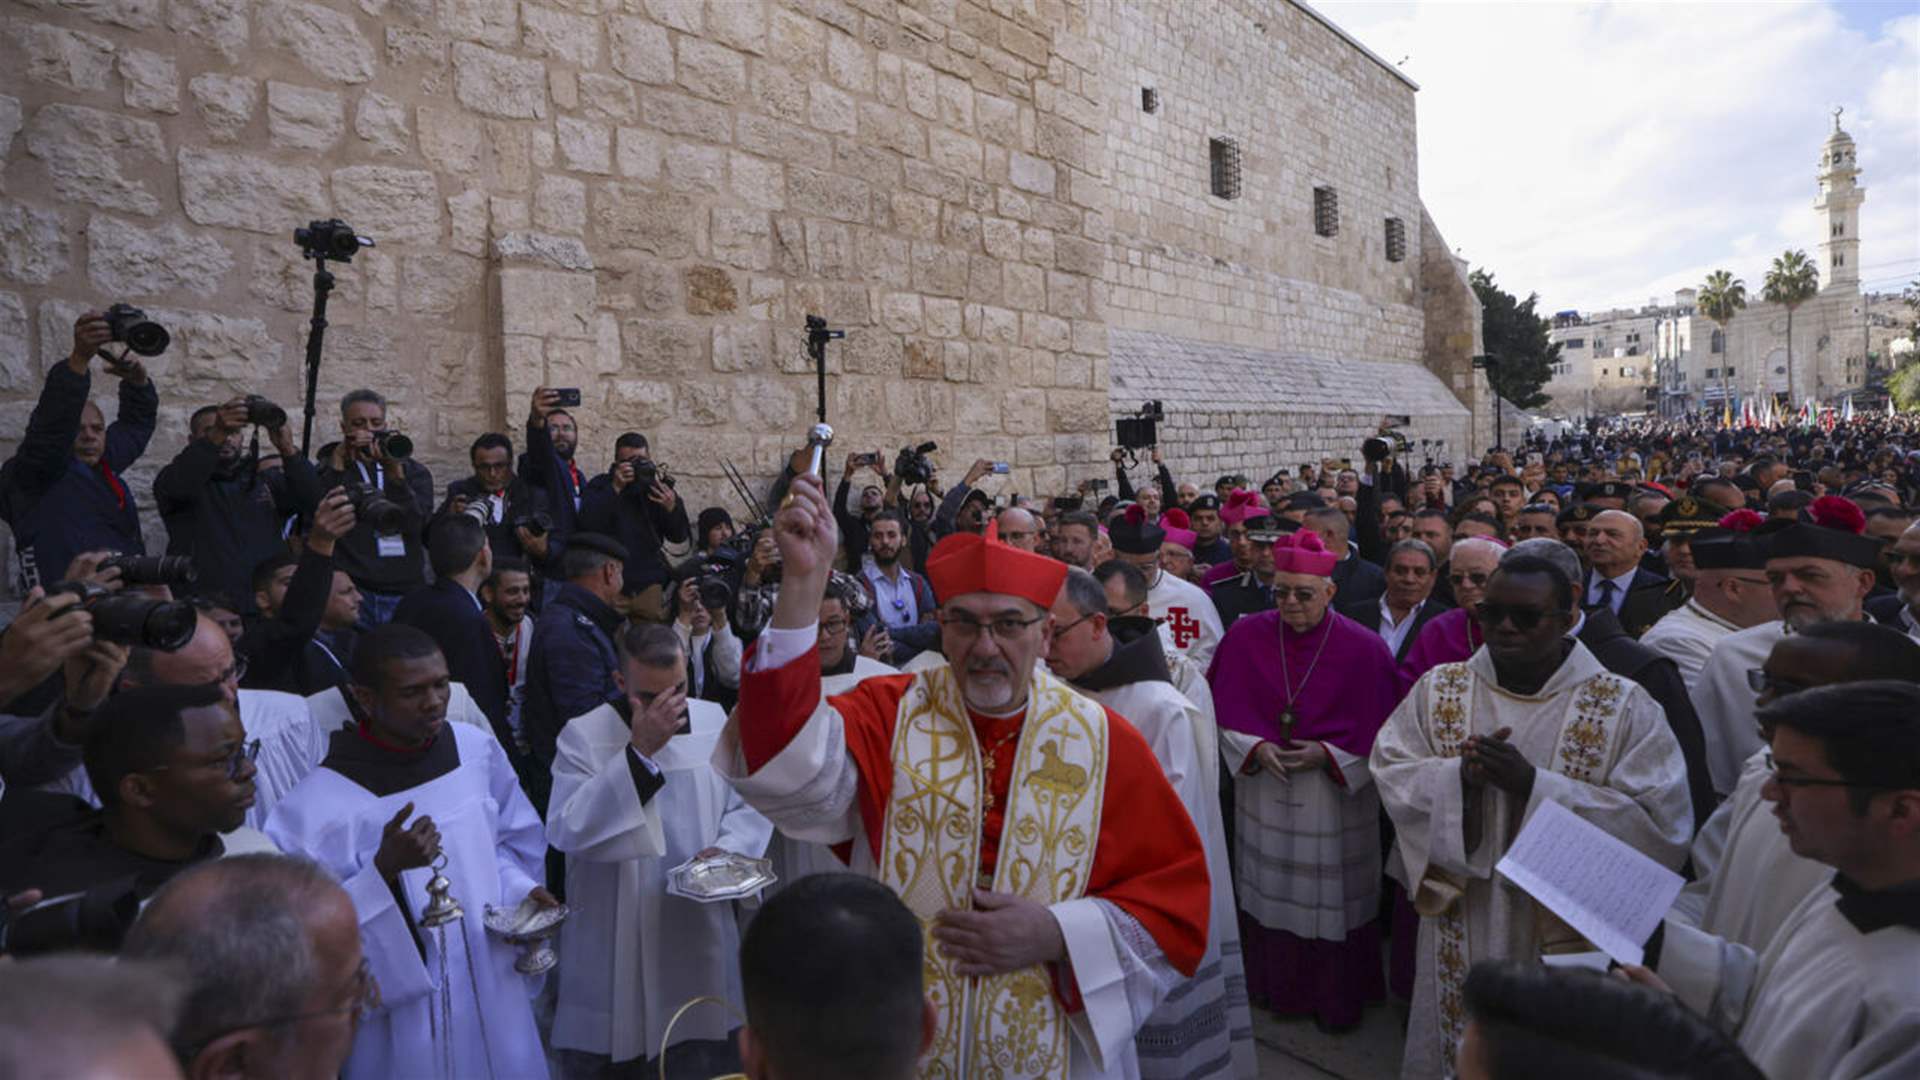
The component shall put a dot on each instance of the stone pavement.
(1295, 1047)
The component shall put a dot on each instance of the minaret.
(1839, 204)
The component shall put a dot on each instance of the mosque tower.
(1839, 202)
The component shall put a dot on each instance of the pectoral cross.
(1286, 727)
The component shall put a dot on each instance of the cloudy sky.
(1605, 153)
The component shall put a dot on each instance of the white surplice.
(494, 849)
(631, 954)
(1747, 879)
(1821, 1000)
(1205, 1020)
(1187, 618)
(794, 858)
(1636, 789)
(808, 790)
(1724, 699)
(1686, 635)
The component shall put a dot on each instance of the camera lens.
(153, 569)
(264, 413)
(396, 445)
(141, 620)
(130, 325)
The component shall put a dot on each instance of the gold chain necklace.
(990, 760)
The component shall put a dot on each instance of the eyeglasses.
(1522, 618)
(1477, 579)
(1760, 682)
(235, 671)
(242, 751)
(1060, 631)
(364, 987)
(833, 628)
(1814, 781)
(1302, 595)
(1006, 628)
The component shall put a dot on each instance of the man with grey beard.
(1820, 570)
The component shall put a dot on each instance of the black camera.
(152, 569)
(96, 920)
(394, 445)
(264, 413)
(372, 506)
(132, 619)
(130, 326)
(1140, 431)
(331, 239)
(538, 523)
(913, 466)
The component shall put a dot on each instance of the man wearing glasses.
(1901, 610)
(1832, 993)
(954, 785)
(1454, 635)
(173, 771)
(270, 949)
(1475, 747)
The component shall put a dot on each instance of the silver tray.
(727, 876)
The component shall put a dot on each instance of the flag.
(1846, 412)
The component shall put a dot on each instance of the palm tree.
(1721, 297)
(1791, 282)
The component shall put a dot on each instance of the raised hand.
(406, 847)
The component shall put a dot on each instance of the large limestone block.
(640, 217)
(325, 41)
(303, 118)
(69, 59)
(151, 81)
(33, 244)
(225, 103)
(127, 261)
(221, 24)
(382, 123)
(16, 361)
(89, 154)
(490, 22)
(641, 50)
(389, 204)
(547, 303)
(246, 192)
(10, 121)
(497, 84)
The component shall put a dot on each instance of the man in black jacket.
(302, 642)
(573, 665)
(450, 612)
(222, 508)
(1408, 602)
(504, 501)
(634, 505)
(552, 437)
(384, 565)
(1354, 578)
(62, 492)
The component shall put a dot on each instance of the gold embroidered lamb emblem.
(1057, 774)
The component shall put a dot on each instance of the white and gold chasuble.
(1590, 739)
(1007, 1025)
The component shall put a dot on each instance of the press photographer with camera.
(855, 521)
(517, 516)
(224, 507)
(713, 652)
(548, 464)
(52, 636)
(634, 503)
(301, 643)
(964, 508)
(61, 492)
(392, 495)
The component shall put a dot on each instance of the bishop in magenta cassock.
(1300, 693)
(1056, 918)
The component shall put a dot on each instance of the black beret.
(605, 545)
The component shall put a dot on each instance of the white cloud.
(1605, 153)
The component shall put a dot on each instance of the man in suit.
(450, 612)
(552, 436)
(1408, 604)
(1354, 578)
(498, 499)
(1631, 593)
(1901, 609)
(1252, 592)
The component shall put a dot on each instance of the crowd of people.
(1049, 786)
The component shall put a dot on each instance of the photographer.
(50, 637)
(61, 492)
(712, 651)
(303, 603)
(223, 508)
(854, 524)
(552, 437)
(964, 507)
(377, 469)
(516, 516)
(1169, 493)
(634, 503)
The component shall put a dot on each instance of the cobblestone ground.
(1294, 1047)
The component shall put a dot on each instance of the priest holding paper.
(1061, 884)
(1470, 755)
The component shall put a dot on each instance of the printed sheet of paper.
(1612, 894)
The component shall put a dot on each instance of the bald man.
(1019, 528)
(1617, 581)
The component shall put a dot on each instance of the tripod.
(316, 335)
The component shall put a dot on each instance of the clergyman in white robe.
(1747, 880)
(631, 954)
(1724, 699)
(1187, 617)
(1687, 635)
(1602, 748)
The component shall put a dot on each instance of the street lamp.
(1491, 364)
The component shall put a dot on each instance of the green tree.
(1516, 336)
(1904, 386)
(1722, 296)
(1792, 281)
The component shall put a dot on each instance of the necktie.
(1607, 589)
(113, 482)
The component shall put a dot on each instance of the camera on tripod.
(1141, 431)
(131, 327)
(129, 618)
(913, 466)
(331, 239)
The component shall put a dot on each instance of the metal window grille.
(1326, 211)
(1396, 240)
(1223, 157)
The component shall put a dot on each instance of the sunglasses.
(1299, 596)
(1522, 618)
(1476, 578)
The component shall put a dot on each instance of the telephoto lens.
(152, 569)
(132, 619)
(130, 326)
(370, 506)
(394, 445)
(264, 413)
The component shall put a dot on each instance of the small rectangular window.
(1396, 240)
(1223, 172)
(1326, 211)
(1149, 99)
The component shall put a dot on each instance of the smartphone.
(1002, 468)
(868, 460)
(1097, 484)
(569, 397)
